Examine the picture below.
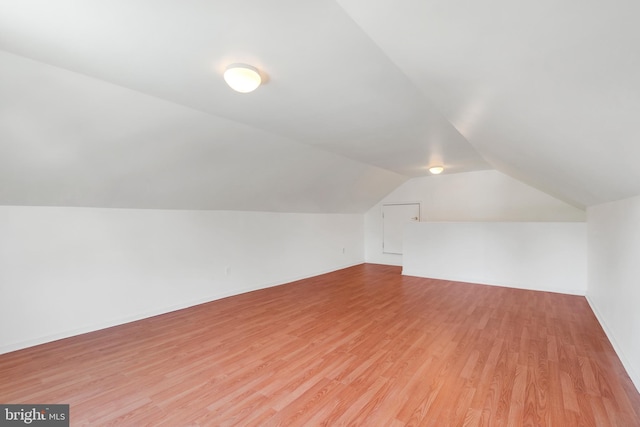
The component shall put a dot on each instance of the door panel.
(394, 217)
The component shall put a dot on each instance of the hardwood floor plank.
(361, 346)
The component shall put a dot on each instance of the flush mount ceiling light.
(436, 169)
(242, 78)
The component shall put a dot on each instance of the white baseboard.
(128, 319)
(635, 377)
(475, 280)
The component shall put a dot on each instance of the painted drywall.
(545, 256)
(65, 271)
(474, 196)
(67, 139)
(613, 291)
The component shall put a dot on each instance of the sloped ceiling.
(548, 91)
(70, 140)
(121, 103)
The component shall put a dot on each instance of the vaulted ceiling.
(121, 103)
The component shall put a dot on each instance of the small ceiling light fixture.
(436, 170)
(242, 78)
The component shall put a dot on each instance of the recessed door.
(394, 218)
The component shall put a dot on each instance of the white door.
(394, 218)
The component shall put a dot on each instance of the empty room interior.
(320, 212)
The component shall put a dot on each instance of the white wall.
(614, 276)
(474, 196)
(543, 256)
(65, 271)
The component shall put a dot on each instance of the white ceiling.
(121, 103)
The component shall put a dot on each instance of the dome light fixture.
(435, 170)
(242, 78)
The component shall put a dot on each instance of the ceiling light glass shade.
(436, 170)
(242, 78)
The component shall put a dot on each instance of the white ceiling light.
(436, 169)
(242, 78)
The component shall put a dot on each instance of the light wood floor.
(362, 346)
